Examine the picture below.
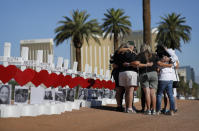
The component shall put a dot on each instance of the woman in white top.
(175, 61)
(165, 83)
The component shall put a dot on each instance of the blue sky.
(35, 19)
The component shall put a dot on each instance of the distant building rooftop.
(36, 41)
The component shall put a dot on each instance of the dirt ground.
(106, 119)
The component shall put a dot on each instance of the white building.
(46, 45)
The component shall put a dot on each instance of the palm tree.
(146, 22)
(171, 30)
(78, 29)
(116, 24)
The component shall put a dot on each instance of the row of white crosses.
(52, 107)
(62, 64)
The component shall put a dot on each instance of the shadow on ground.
(111, 108)
(107, 108)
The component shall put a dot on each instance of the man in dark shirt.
(119, 90)
(127, 74)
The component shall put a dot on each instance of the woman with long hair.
(148, 77)
(4, 94)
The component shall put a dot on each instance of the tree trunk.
(146, 22)
(116, 42)
(78, 58)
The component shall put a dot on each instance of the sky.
(37, 19)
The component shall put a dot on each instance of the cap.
(131, 43)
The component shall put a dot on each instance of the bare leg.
(129, 97)
(147, 96)
(175, 99)
(153, 98)
(119, 95)
(143, 101)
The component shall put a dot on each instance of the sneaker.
(153, 112)
(171, 113)
(130, 111)
(133, 107)
(134, 111)
(147, 112)
(158, 113)
(175, 110)
(164, 111)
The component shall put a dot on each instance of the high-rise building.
(46, 45)
(94, 54)
(187, 73)
(98, 55)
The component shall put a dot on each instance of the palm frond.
(115, 23)
(171, 31)
(78, 28)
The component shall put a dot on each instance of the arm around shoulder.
(162, 64)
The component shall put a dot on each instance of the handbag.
(176, 84)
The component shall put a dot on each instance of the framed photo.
(49, 94)
(70, 94)
(21, 95)
(112, 94)
(106, 93)
(92, 94)
(60, 94)
(5, 94)
(100, 93)
(82, 95)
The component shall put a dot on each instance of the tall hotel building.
(46, 45)
(94, 54)
(98, 55)
(187, 73)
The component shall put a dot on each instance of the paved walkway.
(105, 119)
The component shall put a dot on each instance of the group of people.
(153, 72)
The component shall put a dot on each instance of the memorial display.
(21, 95)
(5, 94)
